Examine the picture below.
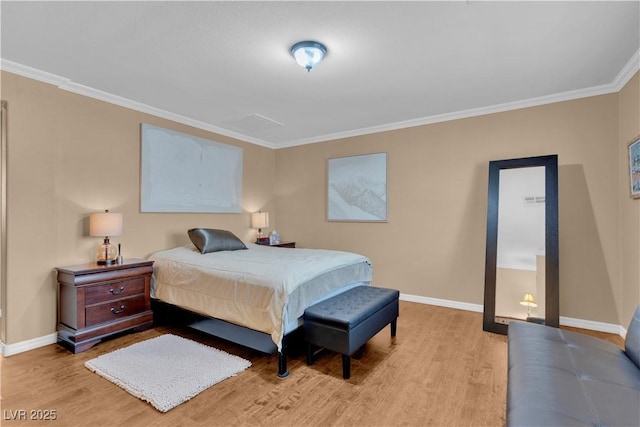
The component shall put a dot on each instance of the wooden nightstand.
(285, 245)
(280, 245)
(97, 301)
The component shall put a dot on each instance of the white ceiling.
(226, 67)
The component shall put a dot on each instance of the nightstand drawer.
(112, 291)
(113, 310)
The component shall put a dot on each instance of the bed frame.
(165, 313)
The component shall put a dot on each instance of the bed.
(254, 296)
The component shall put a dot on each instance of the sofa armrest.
(632, 341)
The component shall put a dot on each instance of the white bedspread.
(258, 287)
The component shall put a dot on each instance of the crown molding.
(70, 86)
(32, 73)
(464, 114)
(628, 71)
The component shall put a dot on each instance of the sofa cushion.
(632, 341)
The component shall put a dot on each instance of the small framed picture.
(634, 167)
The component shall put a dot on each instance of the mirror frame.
(552, 273)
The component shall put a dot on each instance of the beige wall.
(434, 242)
(629, 104)
(71, 155)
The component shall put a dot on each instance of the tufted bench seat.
(345, 322)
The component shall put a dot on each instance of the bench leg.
(346, 366)
(309, 354)
(393, 327)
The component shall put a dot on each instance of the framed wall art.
(184, 173)
(634, 167)
(357, 188)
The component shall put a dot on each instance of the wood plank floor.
(440, 370)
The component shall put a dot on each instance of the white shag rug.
(167, 370)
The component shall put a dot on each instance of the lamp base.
(106, 253)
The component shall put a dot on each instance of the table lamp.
(528, 302)
(259, 220)
(105, 224)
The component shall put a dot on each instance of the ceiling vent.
(530, 201)
(253, 123)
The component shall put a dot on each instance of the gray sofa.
(563, 378)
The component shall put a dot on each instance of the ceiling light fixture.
(308, 53)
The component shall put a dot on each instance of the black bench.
(343, 323)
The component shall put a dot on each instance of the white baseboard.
(479, 308)
(592, 325)
(22, 346)
(622, 332)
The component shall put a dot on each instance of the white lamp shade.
(105, 224)
(528, 301)
(259, 220)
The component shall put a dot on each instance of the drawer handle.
(116, 293)
(114, 311)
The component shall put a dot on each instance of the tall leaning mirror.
(522, 262)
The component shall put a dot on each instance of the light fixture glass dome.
(308, 53)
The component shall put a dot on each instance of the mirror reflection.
(520, 263)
